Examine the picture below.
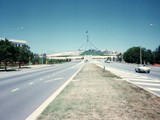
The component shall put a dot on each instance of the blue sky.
(61, 25)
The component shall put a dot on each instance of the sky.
(60, 25)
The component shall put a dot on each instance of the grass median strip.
(95, 94)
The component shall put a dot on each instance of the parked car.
(142, 69)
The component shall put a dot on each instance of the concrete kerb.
(41, 108)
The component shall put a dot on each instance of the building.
(75, 55)
(16, 42)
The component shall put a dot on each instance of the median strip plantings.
(95, 94)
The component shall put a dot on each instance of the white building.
(16, 42)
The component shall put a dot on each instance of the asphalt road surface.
(150, 82)
(155, 71)
(21, 92)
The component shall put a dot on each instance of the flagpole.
(87, 39)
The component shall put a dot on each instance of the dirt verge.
(95, 94)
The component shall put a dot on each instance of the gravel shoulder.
(95, 94)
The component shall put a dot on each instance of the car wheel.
(148, 71)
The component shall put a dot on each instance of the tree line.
(132, 55)
(12, 54)
(9, 53)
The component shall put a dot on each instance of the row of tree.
(54, 61)
(9, 53)
(13, 55)
(132, 55)
(42, 59)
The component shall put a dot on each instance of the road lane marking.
(31, 83)
(154, 89)
(41, 108)
(41, 79)
(138, 79)
(14, 90)
(145, 80)
(53, 80)
(152, 84)
(132, 76)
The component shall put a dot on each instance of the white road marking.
(14, 90)
(154, 89)
(53, 80)
(31, 83)
(138, 79)
(41, 79)
(132, 79)
(152, 84)
(41, 108)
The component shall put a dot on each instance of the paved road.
(155, 71)
(21, 92)
(150, 82)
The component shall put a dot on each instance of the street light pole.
(140, 55)
(122, 57)
(29, 61)
(42, 58)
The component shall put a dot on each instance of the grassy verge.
(95, 94)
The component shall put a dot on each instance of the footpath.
(95, 94)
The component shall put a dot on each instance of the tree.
(11, 53)
(158, 49)
(147, 56)
(35, 59)
(7, 51)
(119, 57)
(24, 54)
(132, 55)
(156, 54)
(44, 58)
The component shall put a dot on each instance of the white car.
(107, 61)
(142, 68)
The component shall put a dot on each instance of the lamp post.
(29, 61)
(140, 55)
(42, 55)
(42, 59)
(122, 57)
